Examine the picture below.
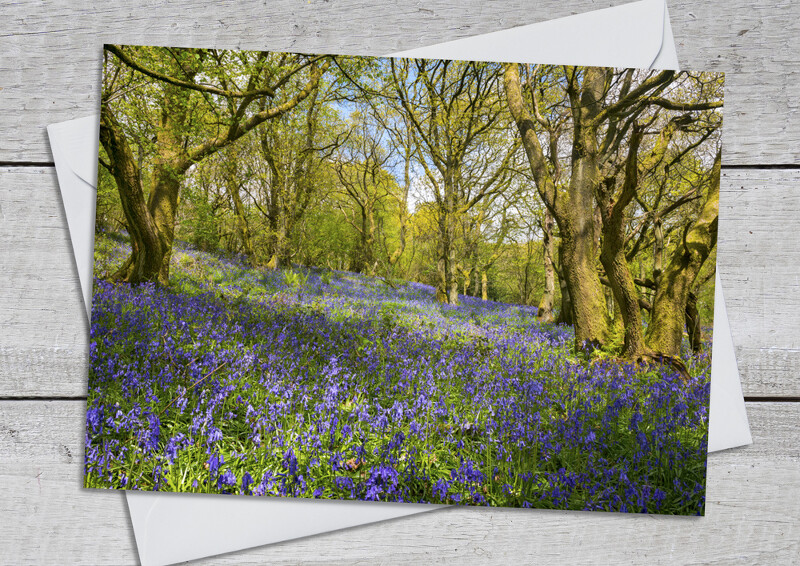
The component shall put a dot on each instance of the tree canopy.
(592, 193)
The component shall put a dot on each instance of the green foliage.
(295, 279)
(108, 212)
(470, 354)
(293, 172)
(200, 224)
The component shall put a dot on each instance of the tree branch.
(683, 106)
(128, 61)
(635, 95)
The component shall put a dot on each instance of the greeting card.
(404, 280)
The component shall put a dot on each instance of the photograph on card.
(407, 280)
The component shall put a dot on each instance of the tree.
(485, 232)
(190, 79)
(545, 308)
(360, 165)
(463, 146)
(604, 106)
(572, 204)
(612, 254)
(403, 142)
(665, 331)
(538, 223)
(672, 171)
(294, 148)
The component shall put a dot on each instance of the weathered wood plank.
(46, 517)
(44, 344)
(756, 45)
(759, 261)
(44, 348)
(50, 52)
(44, 513)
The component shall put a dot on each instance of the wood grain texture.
(44, 347)
(750, 518)
(759, 262)
(44, 344)
(756, 44)
(50, 52)
(49, 71)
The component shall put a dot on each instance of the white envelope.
(171, 528)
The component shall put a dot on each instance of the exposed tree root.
(663, 359)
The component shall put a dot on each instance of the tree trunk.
(447, 282)
(277, 213)
(163, 206)
(665, 331)
(626, 295)
(452, 297)
(565, 313)
(170, 165)
(577, 216)
(693, 324)
(484, 285)
(612, 254)
(369, 239)
(591, 319)
(597, 229)
(524, 292)
(241, 219)
(278, 246)
(442, 252)
(573, 208)
(658, 249)
(545, 310)
(363, 253)
(147, 249)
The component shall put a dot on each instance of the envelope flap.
(172, 528)
(727, 425)
(78, 139)
(630, 35)
(74, 147)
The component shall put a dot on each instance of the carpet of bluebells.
(327, 384)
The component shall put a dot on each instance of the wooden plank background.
(49, 72)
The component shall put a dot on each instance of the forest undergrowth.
(329, 384)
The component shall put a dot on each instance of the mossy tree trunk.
(693, 324)
(147, 248)
(545, 311)
(565, 315)
(665, 332)
(448, 226)
(444, 265)
(612, 254)
(173, 154)
(572, 205)
(171, 163)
